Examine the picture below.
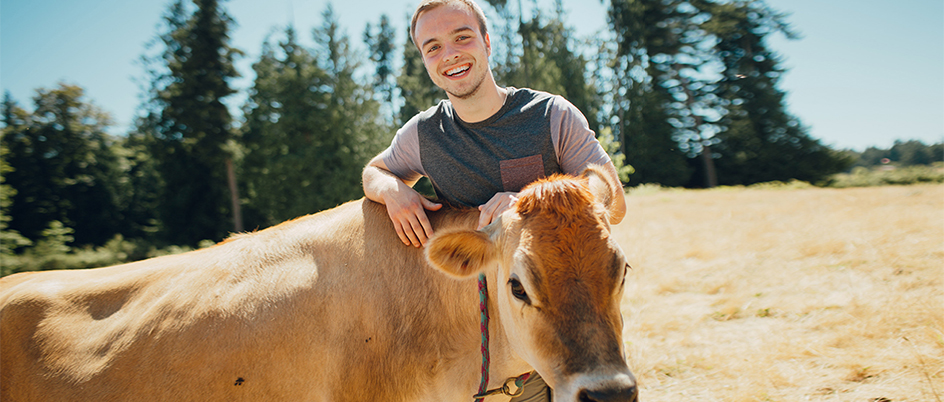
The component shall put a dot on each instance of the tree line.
(680, 92)
(901, 153)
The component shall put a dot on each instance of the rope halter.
(483, 385)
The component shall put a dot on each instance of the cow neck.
(486, 358)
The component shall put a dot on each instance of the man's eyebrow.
(455, 31)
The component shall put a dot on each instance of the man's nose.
(450, 53)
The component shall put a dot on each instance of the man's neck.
(483, 104)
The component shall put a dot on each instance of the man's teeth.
(457, 70)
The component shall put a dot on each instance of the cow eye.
(518, 291)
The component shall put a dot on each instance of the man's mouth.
(458, 70)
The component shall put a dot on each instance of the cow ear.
(604, 189)
(461, 254)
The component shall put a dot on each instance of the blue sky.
(864, 73)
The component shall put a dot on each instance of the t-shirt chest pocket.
(517, 173)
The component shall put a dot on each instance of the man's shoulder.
(531, 95)
(435, 112)
(527, 98)
(444, 107)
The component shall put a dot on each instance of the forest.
(685, 96)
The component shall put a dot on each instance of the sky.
(864, 73)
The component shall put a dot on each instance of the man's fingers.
(415, 238)
(485, 217)
(417, 231)
(400, 234)
(494, 207)
(427, 228)
(488, 213)
(407, 211)
(432, 206)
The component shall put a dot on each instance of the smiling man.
(483, 144)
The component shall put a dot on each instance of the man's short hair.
(427, 5)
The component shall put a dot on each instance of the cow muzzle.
(620, 388)
(627, 393)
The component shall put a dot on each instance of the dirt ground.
(786, 294)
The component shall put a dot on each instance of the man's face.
(454, 51)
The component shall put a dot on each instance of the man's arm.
(406, 207)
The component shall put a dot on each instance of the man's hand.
(495, 206)
(407, 210)
(406, 207)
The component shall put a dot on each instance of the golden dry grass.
(786, 295)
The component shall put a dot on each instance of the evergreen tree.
(357, 129)
(62, 166)
(550, 62)
(914, 152)
(310, 127)
(650, 145)
(188, 130)
(10, 240)
(649, 40)
(759, 140)
(285, 126)
(417, 89)
(141, 188)
(903, 153)
(381, 46)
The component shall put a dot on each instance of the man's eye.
(432, 49)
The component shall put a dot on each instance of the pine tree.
(549, 49)
(417, 89)
(310, 127)
(759, 140)
(381, 47)
(357, 129)
(648, 34)
(188, 129)
(286, 117)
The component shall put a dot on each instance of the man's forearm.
(377, 182)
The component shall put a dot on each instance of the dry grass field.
(805, 294)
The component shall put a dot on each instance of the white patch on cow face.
(520, 307)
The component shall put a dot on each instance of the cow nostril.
(614, 394)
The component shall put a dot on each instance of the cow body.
(329, 307)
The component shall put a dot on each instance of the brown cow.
(332, 307)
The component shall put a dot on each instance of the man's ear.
(488, 46)
(461, 254)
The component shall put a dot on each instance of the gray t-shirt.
(533, 135)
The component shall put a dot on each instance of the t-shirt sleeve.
(575, 143)
(402, 157)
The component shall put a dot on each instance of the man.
(483, 144)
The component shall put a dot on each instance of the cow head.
(559, 278)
